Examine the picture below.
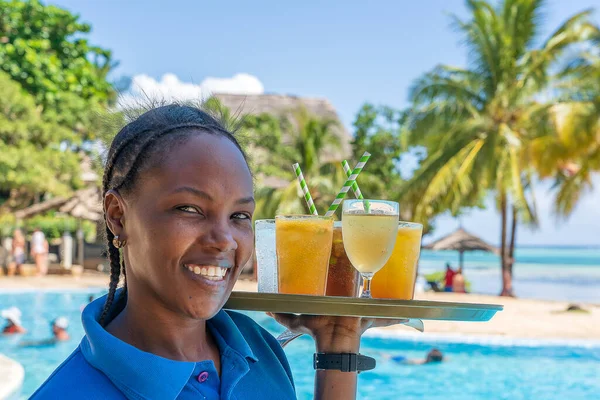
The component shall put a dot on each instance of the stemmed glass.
(369, 230)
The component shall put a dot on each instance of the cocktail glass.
(369, 229)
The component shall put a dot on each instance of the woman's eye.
(188, 209)
(241, 216)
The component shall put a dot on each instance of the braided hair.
(134, 150)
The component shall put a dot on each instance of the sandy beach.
(521, 318)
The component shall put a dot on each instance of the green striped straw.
(355, 188)
(338, 199)
(304, 187)
(357, 193)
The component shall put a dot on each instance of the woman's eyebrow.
(246, 200)
(194, 191)
(206, 196)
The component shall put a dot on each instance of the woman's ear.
(114, 209)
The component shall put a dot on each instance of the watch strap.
(345, 362)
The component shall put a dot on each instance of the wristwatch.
(345, 362)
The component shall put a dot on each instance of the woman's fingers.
(381, 322)
(291, 321)
(313, 324)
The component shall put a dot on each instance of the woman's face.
(188, 226)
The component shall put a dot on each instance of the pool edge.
(12, 375)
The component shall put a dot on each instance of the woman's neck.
(151, 327)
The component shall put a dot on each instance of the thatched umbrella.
(461, 241)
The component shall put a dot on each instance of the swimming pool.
(473, 371)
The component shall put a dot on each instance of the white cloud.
(170, 88)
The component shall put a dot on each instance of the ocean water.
(549, 273)
(475, 369)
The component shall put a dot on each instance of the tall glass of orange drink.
(396, 280)
(303, 244)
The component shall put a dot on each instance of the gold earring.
(118, 243)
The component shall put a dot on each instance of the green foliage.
(54, 226)
(31, 160)
(44, 49)
(7, 225)
(275, 144)
(377, 130)
(55, 95)
(571, 154)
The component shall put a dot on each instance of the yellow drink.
(369, 240)
(396, 280)
(303, 244)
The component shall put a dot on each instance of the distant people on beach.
(449, 279)
(13, 317)
(458, 282)
(39, 251)
(17, 253)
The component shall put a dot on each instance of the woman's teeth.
(208, 272)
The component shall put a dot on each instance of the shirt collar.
(140, 374)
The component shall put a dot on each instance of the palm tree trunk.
(511, 251)
(506, 278)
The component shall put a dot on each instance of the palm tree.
(478, 123)
(310, 139)
(572, 154)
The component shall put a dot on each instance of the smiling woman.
(178, 203)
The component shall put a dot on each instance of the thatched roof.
(85, 204)
(461, 240)
(285, 106)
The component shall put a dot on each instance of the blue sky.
(346, 51)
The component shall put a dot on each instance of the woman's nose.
(221, 238)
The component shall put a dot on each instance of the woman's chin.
(204, 308)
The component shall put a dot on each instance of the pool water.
(473, 371)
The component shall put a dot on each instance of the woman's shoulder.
(264, 346)
(250, 329)
(257, 337)
(75, 378)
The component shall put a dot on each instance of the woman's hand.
(333, 334)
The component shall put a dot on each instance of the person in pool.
(178, 206)
(59, 328)
(434, 356)
(13, 325)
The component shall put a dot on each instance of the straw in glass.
(357, 193)
(355, 188)
(304, 187)
(338, 199)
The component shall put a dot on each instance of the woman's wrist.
(335, 342)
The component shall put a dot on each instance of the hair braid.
(115, 272)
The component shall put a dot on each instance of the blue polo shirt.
(253, 366)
